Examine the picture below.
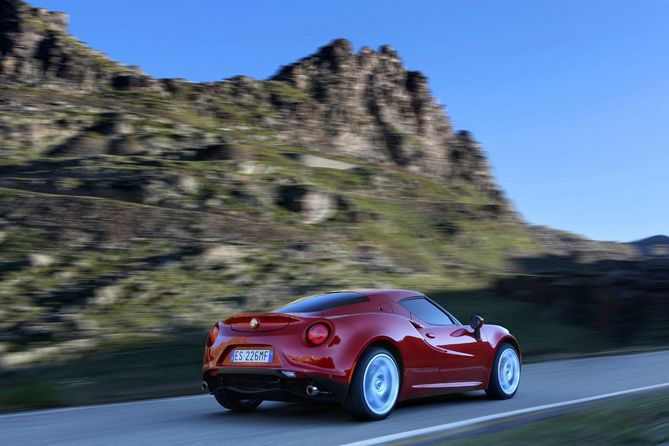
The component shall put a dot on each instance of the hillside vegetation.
(134, 212)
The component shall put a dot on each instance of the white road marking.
(189, 397)
(472, 421)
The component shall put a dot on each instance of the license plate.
(252, 355)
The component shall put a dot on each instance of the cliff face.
(369, 105)
(365, 105)
(121, 193)
(35, 48)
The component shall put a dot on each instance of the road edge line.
(486, 418)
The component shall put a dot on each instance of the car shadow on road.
(280, 413)
(318, 414)
(446, 400)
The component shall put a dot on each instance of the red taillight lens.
(318, 334)
(213, 334)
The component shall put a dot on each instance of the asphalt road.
(199, 419)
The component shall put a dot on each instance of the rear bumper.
(273, 385)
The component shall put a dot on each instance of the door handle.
(430, 335)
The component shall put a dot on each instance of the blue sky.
(570, 98)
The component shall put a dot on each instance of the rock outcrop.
(35, 48)
(130, 207)
(365, 105)
(369, 105)
(657, 245)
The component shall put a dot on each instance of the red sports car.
(365, 349)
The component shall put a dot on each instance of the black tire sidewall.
(494, 389)
(236, 404)
(355, 402)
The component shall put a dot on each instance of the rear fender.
(395, 333)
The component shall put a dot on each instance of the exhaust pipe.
(204, 386)
(312, 390)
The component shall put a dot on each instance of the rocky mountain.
(131, 206)
(365, 105)
(655, 246)
(381, 111)
(135, 209)
(35, 49)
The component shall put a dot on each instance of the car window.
(426, 311)
(322, 302)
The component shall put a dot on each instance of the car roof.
(393, 295)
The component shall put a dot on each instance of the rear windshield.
(322, 302)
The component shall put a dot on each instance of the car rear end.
(278, 357)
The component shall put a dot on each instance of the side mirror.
(476, 322)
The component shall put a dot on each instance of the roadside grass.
(642, 420)
(171, 366)
(167, 368)
(29, 396)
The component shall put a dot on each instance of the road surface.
(200, 420)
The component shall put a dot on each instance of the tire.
(374, 386)
(505, 374)
(236, 404)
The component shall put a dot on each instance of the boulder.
(221, 151)
(83, 145)
(315, 206)
(37, 259)
(319, 161)
(129, 81)
(126, 146)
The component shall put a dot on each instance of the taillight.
(318, 334)
(213, 334)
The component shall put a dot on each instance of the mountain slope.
(132, 207)
(135, 211)
(653, 246)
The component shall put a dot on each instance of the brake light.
(213, 334)
(318, 334)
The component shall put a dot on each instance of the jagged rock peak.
(371, 106)
(365, 105)
(368, 105)
(338, 57)
(338, 45)
(36, 49)
(16, 10)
